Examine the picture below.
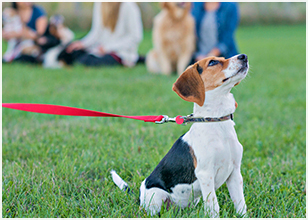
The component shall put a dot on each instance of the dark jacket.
(227, 22)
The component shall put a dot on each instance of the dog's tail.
(120, 182)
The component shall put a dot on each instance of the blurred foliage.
(78, 14)
(272, 12)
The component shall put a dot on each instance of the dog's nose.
(242, 57)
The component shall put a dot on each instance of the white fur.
(217, 150)
(152, 199)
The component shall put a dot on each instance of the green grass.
(57, 166)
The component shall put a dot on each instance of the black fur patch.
(175, 168)
(199, 69)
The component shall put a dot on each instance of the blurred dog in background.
(57, 31)
(173, 39)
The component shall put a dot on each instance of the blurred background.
(78, 14)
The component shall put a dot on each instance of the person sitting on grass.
(33, 25)
(113, 39)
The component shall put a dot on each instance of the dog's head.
(55, 23)
(177, 10)
(209, 74)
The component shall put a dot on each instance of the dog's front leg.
(235, 187)
(206, 180)
(183, 62)
(165, 64)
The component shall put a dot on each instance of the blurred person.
(113, 39)
(11, 23)
(34, 24)
(216, 23)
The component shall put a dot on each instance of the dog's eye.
(213, 62)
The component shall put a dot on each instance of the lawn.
(58, 166)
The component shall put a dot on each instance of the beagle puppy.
(209, 154)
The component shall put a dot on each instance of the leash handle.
(71, 111)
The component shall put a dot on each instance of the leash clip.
(178, 119)
(165, 119)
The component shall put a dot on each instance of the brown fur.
(191, 151)
(173, 38)
(53, 31)
(192, 85)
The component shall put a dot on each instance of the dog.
(209, 154)
(57, 30)
(173, 39)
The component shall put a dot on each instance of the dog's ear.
(189, 86)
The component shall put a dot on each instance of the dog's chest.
(216, 148)
(173, 31)
(174, 35)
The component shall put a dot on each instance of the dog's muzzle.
(244, 59)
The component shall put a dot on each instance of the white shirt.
(125, 38)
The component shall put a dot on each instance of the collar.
(192, 119)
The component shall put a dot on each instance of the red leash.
(71, 111)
